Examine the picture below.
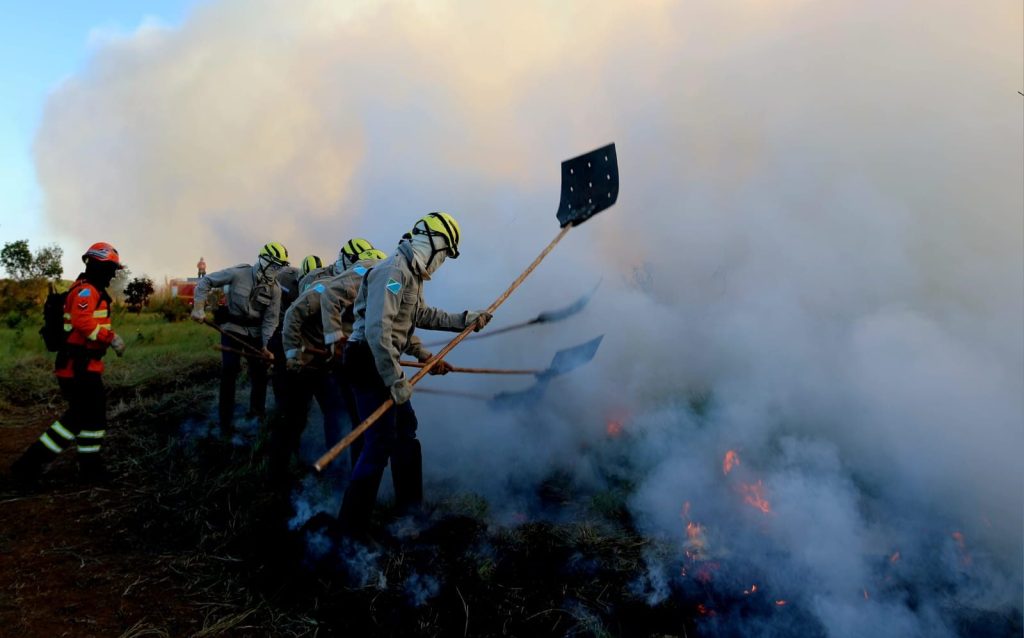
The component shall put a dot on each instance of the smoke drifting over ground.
(818, 235)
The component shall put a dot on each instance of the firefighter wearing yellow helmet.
(388, 308)
(348, 255)
(315, 328)
(250, 316)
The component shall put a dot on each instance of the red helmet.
(102, 251)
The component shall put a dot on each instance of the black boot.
(407, 476)
(357, 508)
(25, 472)
(91, 468)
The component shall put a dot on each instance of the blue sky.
(40, 44)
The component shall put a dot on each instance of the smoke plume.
(816, 260)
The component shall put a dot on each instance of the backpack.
(52, 332)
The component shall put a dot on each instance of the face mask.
(266, 270)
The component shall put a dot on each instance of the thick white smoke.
(819, 227)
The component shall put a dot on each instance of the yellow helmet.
(373, 253)
(311, 263)
(276, 252)
(443, 225)
(353, 247)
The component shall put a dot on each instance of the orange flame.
(614, 429)
(780, 603)
(753, 495)
(752, 590)
(730, 461)
(705, 611)
(686, 510)
(895, 557)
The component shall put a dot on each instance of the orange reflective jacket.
(87, 324)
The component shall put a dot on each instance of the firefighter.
(388, 307)
(250, 317)
(79, 372)
(288, 279)
(336, 310)
(347, 255)
(308, 376)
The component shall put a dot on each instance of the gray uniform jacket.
(316, 275)
(253, 308)
(390, 306)
(303, 328)
(336, 309)
(288, 279)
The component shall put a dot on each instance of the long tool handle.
(242, 353)
(329, 456)
(235, 338)
(417, 364)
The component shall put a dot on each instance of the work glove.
(480, 317)
(442, 367)
(198, 314)
(401, 390)
(118, 345)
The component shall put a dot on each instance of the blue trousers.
(303, 386)
(391, 439)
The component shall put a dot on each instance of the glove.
(401, 391)
(480, 317)
(442, 367)
(118, 345)
(293, 364)
(198, 314)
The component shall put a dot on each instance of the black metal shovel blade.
(590, 184)
(549, 316)
(571, 358)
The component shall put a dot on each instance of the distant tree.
(16, 259)
(46, 264)
(137, 293)
(21, 265)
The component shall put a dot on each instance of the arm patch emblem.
(84, 292)
(393, 286)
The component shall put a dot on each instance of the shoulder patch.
(319, 288)
(393, 286)
(360, 270)
(84, 292)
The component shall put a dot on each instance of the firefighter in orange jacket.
(79, 370)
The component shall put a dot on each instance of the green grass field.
(158, 350)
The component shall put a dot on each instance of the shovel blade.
(590, 184)
(571, 358)
(549, 316)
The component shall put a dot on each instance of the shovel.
(548, 316)
(564, 361)
(590, 184)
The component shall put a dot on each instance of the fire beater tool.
(564, 361)
(548, 316)
(242, 353)
(590, 184)
(253, 352)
